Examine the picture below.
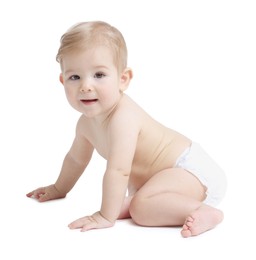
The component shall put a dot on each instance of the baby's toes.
(189, 221)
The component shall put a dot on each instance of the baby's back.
(158, 147)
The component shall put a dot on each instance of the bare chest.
(99, 139)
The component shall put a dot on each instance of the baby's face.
(91, 80)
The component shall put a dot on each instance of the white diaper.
(195, 160)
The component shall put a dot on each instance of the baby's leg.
(171, 198)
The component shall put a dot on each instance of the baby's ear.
(126, 77)
(61, 78)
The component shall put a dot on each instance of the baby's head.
(88, 35)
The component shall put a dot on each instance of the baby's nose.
(85, 87)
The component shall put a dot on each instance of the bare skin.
(140, 153)
(201, 220)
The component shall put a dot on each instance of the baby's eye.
(99, 75)
(74, 77)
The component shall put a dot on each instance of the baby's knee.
(137, 210)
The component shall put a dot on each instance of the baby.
(170, 180)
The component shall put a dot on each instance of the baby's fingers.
(89, 226)
(79, 223)
(91, 222)
(30, 194)
(37, 194)
(85, 223)
(44, 197)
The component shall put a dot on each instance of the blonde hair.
(89, 34)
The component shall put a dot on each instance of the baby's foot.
(201, 220)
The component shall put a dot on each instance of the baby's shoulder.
(130, 107)
(82, 125)
(129, 111)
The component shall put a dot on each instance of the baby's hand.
(91, 222)
(46, 193)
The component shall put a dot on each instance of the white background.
(194, 70)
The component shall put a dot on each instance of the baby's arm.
(122, 141)
(73, 166)
(123, 145)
